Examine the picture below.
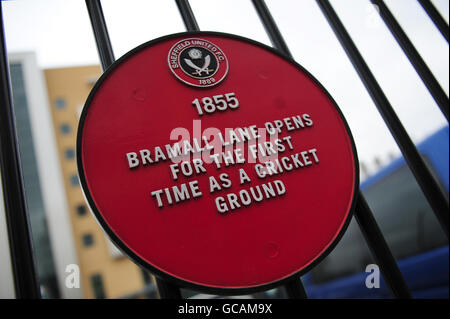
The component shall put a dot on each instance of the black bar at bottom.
(167, 290)
(380, 250)
(19, 233)
(294, 289)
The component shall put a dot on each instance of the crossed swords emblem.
(197, 54)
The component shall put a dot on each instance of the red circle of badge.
(198, 62)
(231, 188)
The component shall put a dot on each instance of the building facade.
(47, 106)
(105, 272)
(51, 231)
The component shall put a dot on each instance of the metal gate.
(24, 271)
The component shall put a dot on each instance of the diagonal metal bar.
(166, 290)
(294, 288)
(26, 282)
(187, 15)
(430, 187)
(380, 250)
(101, 35)
(436, 17)
(271, 27)
(414, 57)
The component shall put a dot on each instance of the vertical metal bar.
(271, 27)
(19, 232)
(436, 17)
(106, 54)
(294, 288)
(167, 290)
(187, 15)
(380, 250)
(102, 40)
(414, 57)
(430, 187)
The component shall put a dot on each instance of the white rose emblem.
(195, 54)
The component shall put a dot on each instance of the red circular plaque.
(270, 201)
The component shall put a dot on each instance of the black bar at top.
(167, 290)
(271, 27)
(187, 15)
(380, 250)
(430, 187)
(414, 57)
(436, 17)
(102, 40)
(19, 232)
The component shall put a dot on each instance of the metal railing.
(26, 282)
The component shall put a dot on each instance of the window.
(60, 103)
(404, 217)
(69, 153)
(65, 129)
(74, 180)
(81, 210)
(88, 240)
(97, 286)
(28, 144)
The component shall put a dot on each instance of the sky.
(60, 34)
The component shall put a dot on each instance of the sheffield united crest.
(198, 62)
